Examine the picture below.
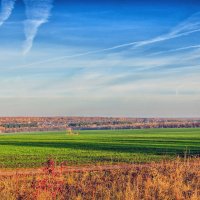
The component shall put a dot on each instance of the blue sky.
(100, 58)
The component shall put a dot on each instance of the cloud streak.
(37, 13)
(187, 27)
(6, 9)
(177, 50)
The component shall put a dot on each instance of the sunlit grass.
(105, 146)
(176, 179)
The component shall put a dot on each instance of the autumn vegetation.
(178, 179)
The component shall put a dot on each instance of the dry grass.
(168, 180)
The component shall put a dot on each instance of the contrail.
(189, 26)
(37, 13)
(76, 55)
(164, 38)
(178, 49)
(6, 10)
(134, 44)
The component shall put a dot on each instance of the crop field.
(99, 146)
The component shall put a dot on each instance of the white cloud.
(187, 27)
(6, 10)
(37, 13)
(177, 50)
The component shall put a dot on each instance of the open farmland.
(104, 146)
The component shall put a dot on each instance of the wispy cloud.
(37, 13)
(6, 10)
(187, 27)
(178, 49)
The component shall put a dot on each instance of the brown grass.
(168, 180)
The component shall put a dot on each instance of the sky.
(100, 58)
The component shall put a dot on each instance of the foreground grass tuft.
(175, 180)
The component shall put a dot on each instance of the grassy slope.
(29, 150)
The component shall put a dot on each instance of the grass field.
(105, 146)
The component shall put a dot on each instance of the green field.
(107, 146)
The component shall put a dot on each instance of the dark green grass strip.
(32, 149)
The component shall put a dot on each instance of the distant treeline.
(19, 125)
(24, 124)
